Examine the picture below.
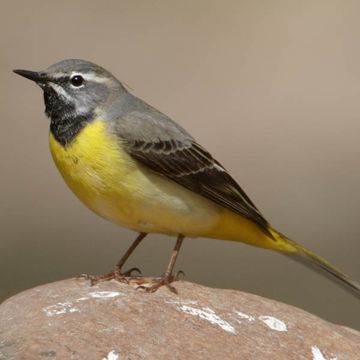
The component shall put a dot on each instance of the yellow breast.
(91, 163)
(107, 180)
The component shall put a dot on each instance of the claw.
(94, 279)
(140, 287)
(164, 280)
(132, 270)
(155, 287)
(115, 274)
(180, 273)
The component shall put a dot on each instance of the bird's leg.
(129, 251)
(167, 278)
(116, 272)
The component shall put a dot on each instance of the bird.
(133, 165)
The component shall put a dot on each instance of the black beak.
(38, 77)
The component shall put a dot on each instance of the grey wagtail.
(134, 166)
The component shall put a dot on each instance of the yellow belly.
(107, 180)
(112, 184)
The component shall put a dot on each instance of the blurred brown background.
(271, 88)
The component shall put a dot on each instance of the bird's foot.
(164, 280)
(148, 283)
(115, 274)
(152, 284)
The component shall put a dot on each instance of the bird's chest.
(108, 181)
(94, 167)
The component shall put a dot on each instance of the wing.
(193, 167)
(163, 146)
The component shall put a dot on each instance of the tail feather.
(319, 264)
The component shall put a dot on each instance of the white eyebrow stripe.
(58, 75)
(91, 76)
(59, 90)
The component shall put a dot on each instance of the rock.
(114, 321)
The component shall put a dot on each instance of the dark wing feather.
(191, 166)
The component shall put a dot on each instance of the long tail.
(308, 258)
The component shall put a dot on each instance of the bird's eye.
(77, 80)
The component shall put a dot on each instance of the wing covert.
(191, 166)
(162, 145)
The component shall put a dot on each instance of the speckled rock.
(113, 321)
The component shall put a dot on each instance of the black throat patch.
(65, 123)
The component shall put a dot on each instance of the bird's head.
(74, 87)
